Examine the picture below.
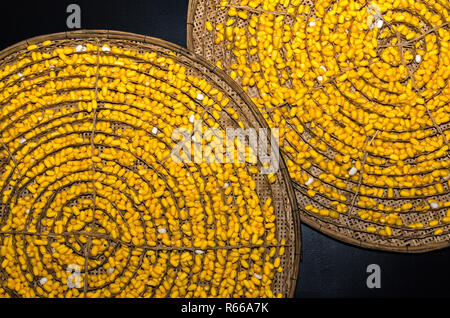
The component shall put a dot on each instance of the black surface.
(334, 269)
(165, 19)
(329, 268)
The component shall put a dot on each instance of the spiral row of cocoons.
(92, 202)
(359, 90)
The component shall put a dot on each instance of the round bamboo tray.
(358, 224)
(64, 96)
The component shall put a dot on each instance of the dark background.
(329, 268)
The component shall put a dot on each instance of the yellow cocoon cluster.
(359, 90)
(92, 202)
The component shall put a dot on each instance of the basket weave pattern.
(417, 231)
(143, 233)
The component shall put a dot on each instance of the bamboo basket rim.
(294, 261)
(307, 217)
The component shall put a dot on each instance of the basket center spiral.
(93, 204)
(359, 90)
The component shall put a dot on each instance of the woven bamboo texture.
(352, 226)
(38, 238)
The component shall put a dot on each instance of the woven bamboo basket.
(41, 245)
(418, 231)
